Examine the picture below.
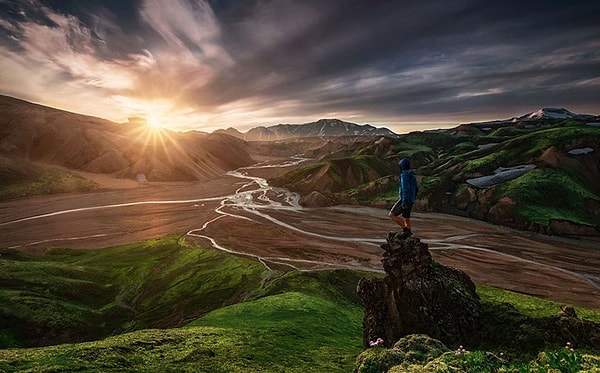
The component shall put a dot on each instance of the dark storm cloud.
(371, 61)
(426, 58)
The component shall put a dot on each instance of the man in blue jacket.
(400, 212)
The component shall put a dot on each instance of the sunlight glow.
(154, 123)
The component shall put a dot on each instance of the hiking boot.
(406, 233)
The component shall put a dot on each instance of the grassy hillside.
(334, 175)
(70, 296)
(290, 332)
(560, 188)
(560, 196)
(32, 181)
(244, 317)
(162, 305)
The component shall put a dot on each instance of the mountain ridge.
(554, 113)
(542, 114)
(323, 128)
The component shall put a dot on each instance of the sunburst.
(154, 123)
(156, 142)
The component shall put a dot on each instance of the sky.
(208, 64)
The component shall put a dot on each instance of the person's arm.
(405, 190)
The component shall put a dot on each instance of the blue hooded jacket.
(408, 183)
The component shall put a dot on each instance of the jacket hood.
(404, 164)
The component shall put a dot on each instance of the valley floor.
(240, 213)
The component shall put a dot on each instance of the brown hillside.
(35, 134)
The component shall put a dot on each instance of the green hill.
(166, 305)
(289, 332)
(216, 312)
(559, 196)
(72, 296)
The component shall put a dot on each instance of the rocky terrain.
(419, 296)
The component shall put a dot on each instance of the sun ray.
(156, 144)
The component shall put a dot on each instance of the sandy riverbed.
(308, 239)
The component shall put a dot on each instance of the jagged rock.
(420, 296)
(417, 296)
(566, 326)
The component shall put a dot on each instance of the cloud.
(228, 63)
(70, 64)
(187, 27)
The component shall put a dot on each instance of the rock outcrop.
(417, 296)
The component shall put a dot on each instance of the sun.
(154, 123)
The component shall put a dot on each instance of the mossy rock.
(412, 350)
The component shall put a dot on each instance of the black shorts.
(397, 209)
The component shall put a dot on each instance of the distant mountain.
(34, 137)
(322, 128)
(538, 117)
(553, 113)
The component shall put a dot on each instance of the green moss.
(300, 322)
(544, 194)
(337, 285)
(89, 294)
(345, 173)
(486, 161)
(529, 305)
(290, 332)
(290, 311)
(408, 351)
(463, 147)
(430, 182)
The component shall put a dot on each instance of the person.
(407, 192)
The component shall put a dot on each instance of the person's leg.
(397, 219)
(395, 214)
(406, 217)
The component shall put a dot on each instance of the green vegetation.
(293, 331)
(81, 295)
(419, 353)
(217, 313)
(544, 194)
(47, 182)
(529, 305)
(562, 187)
(290, 332)
(294, 322)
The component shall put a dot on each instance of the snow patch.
(485, 146)
(581, 151)
(501, 175)
(553, 113)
